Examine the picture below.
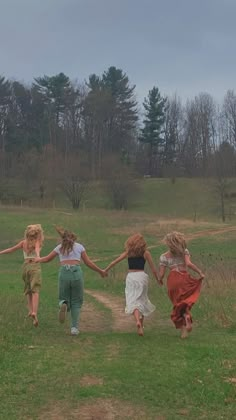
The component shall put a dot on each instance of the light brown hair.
(68, 240)
(175, 242)
(33, 234)
(135, 245)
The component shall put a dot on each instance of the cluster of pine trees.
(57, 130)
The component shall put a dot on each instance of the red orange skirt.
(183, 291)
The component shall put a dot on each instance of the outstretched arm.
(117, 260)
(13, 248)
(47, 258)
(193, 267)
(148, 257)
(91, 264)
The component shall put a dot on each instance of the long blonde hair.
(176, 243)
(68, 240)
(135, 245)
(33, 234)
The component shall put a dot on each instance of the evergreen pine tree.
(153, 127)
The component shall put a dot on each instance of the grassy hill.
(194, 199)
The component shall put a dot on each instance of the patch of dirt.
(88, 380)
(100, 409)
(93, 320)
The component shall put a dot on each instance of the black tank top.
(136, 263)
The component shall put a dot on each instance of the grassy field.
(109, 373)
(193, 198)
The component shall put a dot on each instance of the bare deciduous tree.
(119, 182)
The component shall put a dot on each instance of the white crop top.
(75, 254)
(173, 261)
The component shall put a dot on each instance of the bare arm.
(148, 257)
(46, 259)
(117, 260)
(162, 271)
(37, 249)
(91, 264)
(13, 248)
(192, 266)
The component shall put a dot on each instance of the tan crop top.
(174, 261)
(31, 255)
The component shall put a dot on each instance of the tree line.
(58, 131)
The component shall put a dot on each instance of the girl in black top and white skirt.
(136, 289)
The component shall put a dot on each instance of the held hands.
(37, 259)
(104, 273)
(159, 281)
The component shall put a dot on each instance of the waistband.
(176, 270)
(71, 267)
(134, 270)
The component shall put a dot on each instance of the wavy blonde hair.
(135, 245)
(68, 240)
(175, 242)
(33, 234)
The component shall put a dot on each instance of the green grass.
(159, 375)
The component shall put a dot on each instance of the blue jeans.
(71, 290)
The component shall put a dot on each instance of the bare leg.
(188, 321)
(29, 302)
(35, 304)
(142, 320)
(184, 332)
(138, 322)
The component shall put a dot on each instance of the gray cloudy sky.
(182, 46)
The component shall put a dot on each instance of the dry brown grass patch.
(113, 351)
(88, 380)
(100, 409)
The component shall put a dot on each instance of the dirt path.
(203, 233)
(207, 232)
(120, 321)
(93, 320)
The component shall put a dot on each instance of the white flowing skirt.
(136, 293)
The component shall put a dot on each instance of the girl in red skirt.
(183, 290)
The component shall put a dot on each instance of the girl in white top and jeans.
(71, 283)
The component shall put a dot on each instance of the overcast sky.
(181, 46)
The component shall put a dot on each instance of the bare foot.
(139, 328)
(188, 321)
(35, 320)
(29, 315)
(184, 332)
